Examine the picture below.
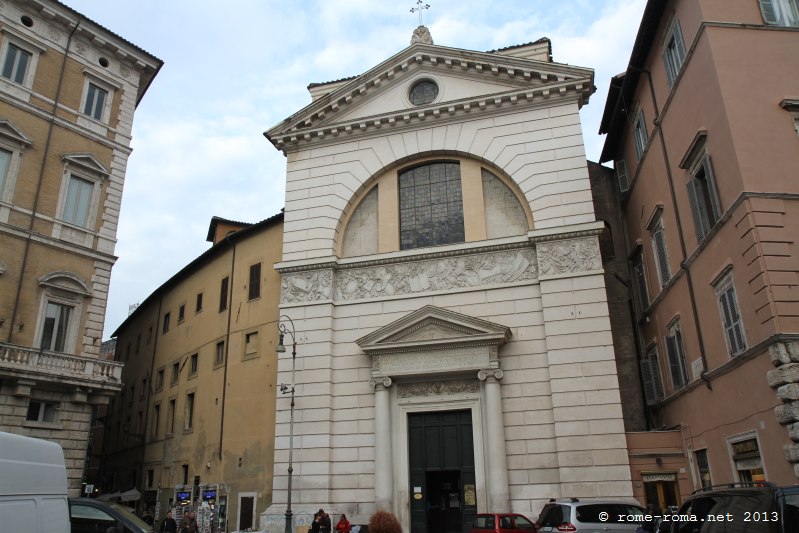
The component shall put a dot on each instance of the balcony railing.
(59, 365)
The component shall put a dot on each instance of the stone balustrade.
(59, 365)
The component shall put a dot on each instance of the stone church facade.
(441, 270)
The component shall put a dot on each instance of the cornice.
(397, 257)
(590, 229)
(579, 89)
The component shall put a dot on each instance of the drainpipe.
(29, 231)
(670, 180)
(227, 345)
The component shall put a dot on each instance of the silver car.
(572, 515)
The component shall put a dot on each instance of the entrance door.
(441, 459)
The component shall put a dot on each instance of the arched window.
(431, 205)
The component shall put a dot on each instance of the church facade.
(442, 279)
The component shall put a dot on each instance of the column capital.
(384, 382)
(490, 374)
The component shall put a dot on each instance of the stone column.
(384, 464)
(498, 493)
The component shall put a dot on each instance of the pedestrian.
(189, 523)
(650, 525)
(168, 524)
(343, 525)
(315, 523)
(324, 522)
(384, 522)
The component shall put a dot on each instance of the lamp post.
(288, 389)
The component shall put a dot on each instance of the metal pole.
(291, 437)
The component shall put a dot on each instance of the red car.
(501, 523)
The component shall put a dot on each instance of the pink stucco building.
(702, 131)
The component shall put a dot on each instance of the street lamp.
(288, 389)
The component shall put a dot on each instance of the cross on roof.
(420, 8)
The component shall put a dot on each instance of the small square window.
(39, 411)
(251, 343)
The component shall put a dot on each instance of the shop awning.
(131, 495)
(109, 497)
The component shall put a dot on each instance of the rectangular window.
(156, 420)
(703, 197)
(652, 382)
(95, 101)
(175, 373)
(223, 294)
(659, 247)
(181, 313)
(730, 316)
(170, 421)
(194, 363)
(16, 64)
(159, 379)
(641, 292)
(255, 281)
(747, 460)
(220, 353)
(703, 466)
(39, 411)
(199, 305)
(640, 136)
(778, 12)
(251, 342)
(189, 411)
(5, 163)
(166, 323)
(431, 205)
(78, 201)
(676, 353)
(673, 52)
(55, 327)
(150, 478)
(621, 175)
(185, 471)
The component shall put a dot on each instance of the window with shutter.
(661, 253)
(650, 372)
(703, 198)
(642, 294)
(255, 281)
(621, 175)
(673, 52)
(676, 354)
(730, 316)
(640, 136)
(780, 12)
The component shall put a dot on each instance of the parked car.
(501, 523)
(33, 485)
(754, 508)
(589, 516)
(93, 516)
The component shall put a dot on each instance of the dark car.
(753, 508)
(93, 516)
(501, 523)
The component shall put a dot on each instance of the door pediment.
(434, 340)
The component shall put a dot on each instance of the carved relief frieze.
(438, 388)
(569, 256)
(438, 361)
(310, 286)
(441, 274)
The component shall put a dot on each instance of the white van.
(33, 486)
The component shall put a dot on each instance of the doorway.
(442, 477)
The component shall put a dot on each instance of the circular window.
(103, 62)
(26, 20)
(423, 92)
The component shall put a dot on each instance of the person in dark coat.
(168, 524)
(324, 522)
(315, 523)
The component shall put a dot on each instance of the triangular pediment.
(468, 82)
(12, 133)
(432, 328)
(87, 162)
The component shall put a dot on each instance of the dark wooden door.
(441, 462)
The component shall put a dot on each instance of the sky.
(234, 69)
